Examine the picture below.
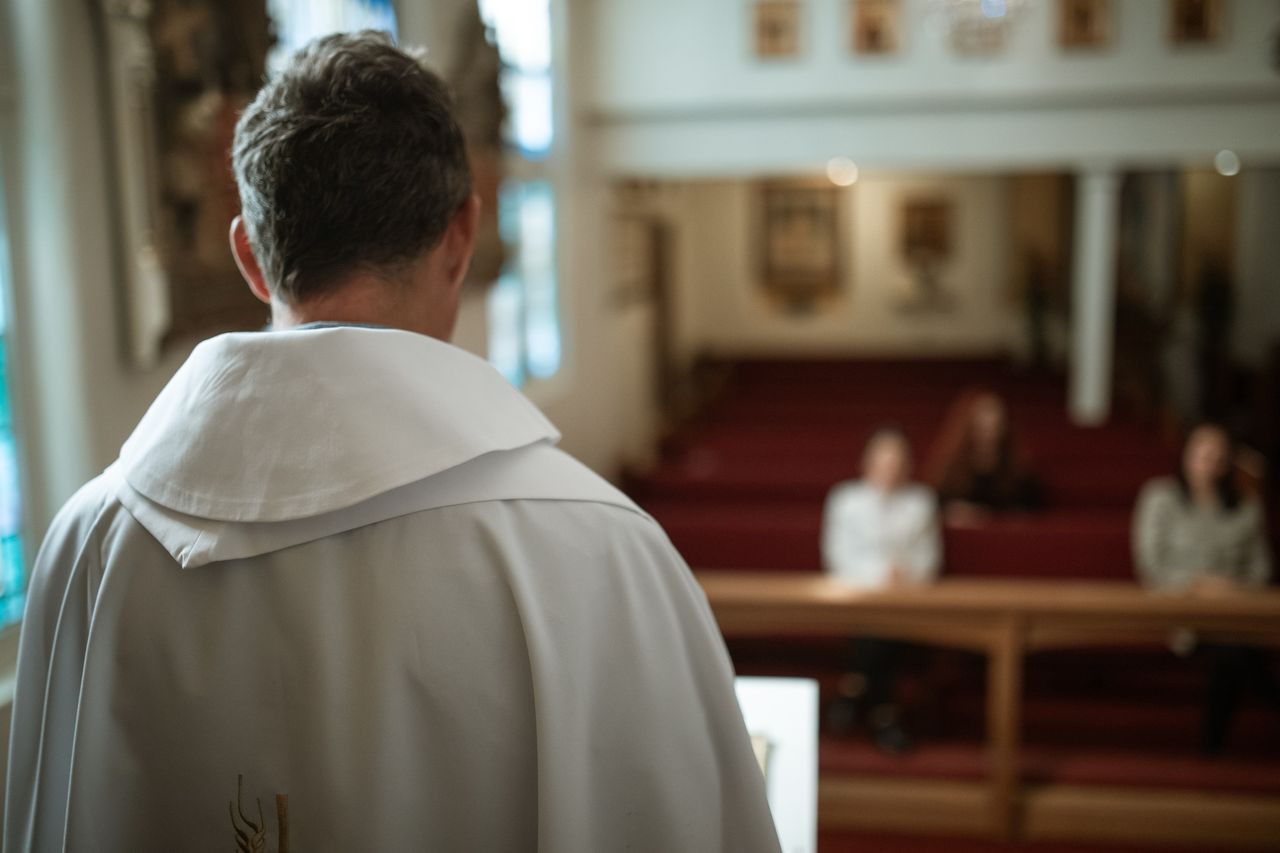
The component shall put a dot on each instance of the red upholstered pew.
(743, 489)
(784, 536)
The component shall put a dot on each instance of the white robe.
(349, 566)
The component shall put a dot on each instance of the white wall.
(724, 309)
(677, 92)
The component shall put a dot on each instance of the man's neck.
(358, 303)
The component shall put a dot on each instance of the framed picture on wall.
(1084, 24)
(800, 241)
(776, 29)
(1195, 22)
(926, 246)
(876, 26)
(926, 229)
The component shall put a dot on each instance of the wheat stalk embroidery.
(251, 837)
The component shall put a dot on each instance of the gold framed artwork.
(1196, 22)
(800, 241)
(926, 230)
(876, 26)
(1084, 24)
(927, 243)
(776, 29)
(178, 73)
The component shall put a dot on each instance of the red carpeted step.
(967, 761)
(1093, 545)
(786, 537)
(1128, 768)
(857, 756)
(724, 536)
(884, 842)
(712, 477)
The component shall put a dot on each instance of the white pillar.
(1094, 295)
(1257, 310)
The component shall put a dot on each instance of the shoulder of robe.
(1251, 509)
(75, 525)
(1159, 492)
(922, 496)
(846, 491)
(85, 509)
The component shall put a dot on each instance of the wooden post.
(1004, 697)
(282, 823)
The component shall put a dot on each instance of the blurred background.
(724, 242)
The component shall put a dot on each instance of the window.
(524, 310)
(524, 322)
(12, 567)
(300, 21)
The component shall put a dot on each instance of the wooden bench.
(1005, 620)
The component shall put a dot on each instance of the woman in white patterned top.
(1195, 534)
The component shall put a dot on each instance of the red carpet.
(847, 842)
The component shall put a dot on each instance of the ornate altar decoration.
(475, 78)
(926, 247)
(978, 27)
(178, 73)
(800, 242)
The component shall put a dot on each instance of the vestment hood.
(266, 437)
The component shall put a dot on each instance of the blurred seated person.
(877, 532)
(1196, 534)
(978, 466)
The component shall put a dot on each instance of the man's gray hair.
(349, 159)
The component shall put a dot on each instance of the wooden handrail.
(1004, 619)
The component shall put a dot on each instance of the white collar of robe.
(279, 426)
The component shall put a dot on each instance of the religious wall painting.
(926, 245)
(178, 73)
(776, 29)
(981, 27)
(210, 59)
(637, 255)
(800, 243)
(1196, 22)
(1084, 24)
(876, 26)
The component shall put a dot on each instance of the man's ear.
(460, 240)
(247, 262)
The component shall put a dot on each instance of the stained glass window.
(12, 567)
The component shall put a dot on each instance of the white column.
(1257, 311)
(1094, 295)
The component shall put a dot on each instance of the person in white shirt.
(341, 569)
(877, 532)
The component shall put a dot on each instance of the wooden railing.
(1003, 619)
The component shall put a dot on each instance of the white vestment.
(349, 566)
